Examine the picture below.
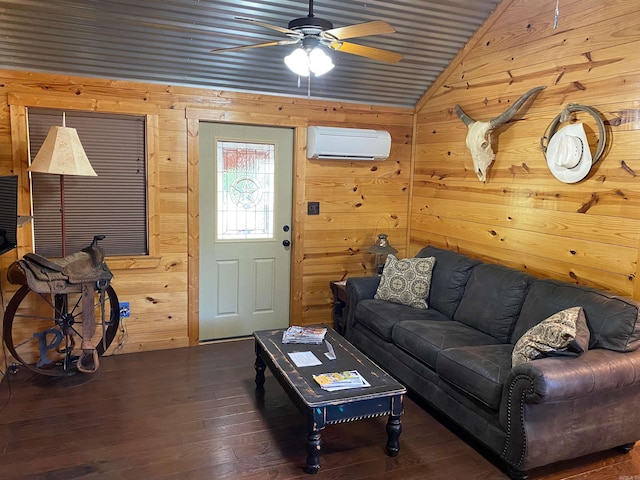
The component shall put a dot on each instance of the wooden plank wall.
(587, 233)
(355, 197)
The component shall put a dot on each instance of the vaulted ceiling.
(170, 42)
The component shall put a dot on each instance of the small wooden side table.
(340, 302)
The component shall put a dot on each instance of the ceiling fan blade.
(369, 52)
(268, 25)
(376, 27)
(290, 41)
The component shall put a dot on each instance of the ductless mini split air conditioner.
(347, 143)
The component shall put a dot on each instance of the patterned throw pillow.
(563, 333)
(406, 281)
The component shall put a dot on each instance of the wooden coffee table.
(384, 396)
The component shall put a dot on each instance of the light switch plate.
(313, 208)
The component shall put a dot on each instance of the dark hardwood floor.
(193, 413)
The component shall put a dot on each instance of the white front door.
(245, 218)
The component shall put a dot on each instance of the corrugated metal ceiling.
(169, 42)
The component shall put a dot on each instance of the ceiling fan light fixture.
(298, 62)
(319, 62)
(303, 63)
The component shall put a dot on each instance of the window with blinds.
(113, 204)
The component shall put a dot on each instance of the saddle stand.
(83, 272)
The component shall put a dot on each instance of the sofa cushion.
(380, 316)
(563, 333)
(450, 275)
(478, 371)
(613, 321)
(406, 281)
(492, 300)
(425, 339)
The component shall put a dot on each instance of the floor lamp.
(62, 154)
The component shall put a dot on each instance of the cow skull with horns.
(479, 134)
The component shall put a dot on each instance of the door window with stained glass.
(245, 190)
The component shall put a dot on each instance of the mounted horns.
(479, 133)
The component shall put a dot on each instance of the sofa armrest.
(565, 387)
(555, 379)
(359, 288)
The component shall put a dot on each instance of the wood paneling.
(355, 198)
(587, 233)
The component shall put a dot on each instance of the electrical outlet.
(124, 309)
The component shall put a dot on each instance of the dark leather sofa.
(456, 356)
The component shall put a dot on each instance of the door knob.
(286, 243)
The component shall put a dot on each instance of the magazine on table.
(310, 335)
(340, 380)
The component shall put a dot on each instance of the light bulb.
(319, 62)
(298, 62)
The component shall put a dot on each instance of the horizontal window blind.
(113, 204)
(8, 212)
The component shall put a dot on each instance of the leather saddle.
(62, 275)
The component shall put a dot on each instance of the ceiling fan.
(312, 33)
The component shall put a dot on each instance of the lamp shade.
(319, 62)
(61, 153)
(382, 246)
(298, 62)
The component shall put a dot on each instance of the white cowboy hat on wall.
(568, 154)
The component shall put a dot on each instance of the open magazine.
(340, 380)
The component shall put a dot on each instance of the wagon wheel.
(44, 331)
